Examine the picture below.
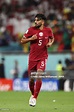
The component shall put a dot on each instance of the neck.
(41, 28)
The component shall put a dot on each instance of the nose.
(35, 22)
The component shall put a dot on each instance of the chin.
(37, 26)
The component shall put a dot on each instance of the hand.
(22, 40)
(25, 40)
(34, 37)
(48, 44)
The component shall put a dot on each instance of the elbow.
(22, 42)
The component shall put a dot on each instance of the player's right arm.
(28, 36)
(25, 40)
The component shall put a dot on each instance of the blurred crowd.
(66, 71)
(16, 16)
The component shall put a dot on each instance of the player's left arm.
(51, 41)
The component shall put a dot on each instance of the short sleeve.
(28, 33)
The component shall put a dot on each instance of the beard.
(38, 26)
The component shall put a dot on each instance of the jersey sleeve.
(28, 33)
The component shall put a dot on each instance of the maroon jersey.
(38, 49)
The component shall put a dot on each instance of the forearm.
(25, 40)
(51, 40)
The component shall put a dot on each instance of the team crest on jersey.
(41, 34)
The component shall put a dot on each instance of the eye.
(37, 19)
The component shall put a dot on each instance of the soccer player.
(40, 38)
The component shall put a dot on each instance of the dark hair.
(59, 61)
(41, 16)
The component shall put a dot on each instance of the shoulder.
(49, 31)
(48, 28)
(32, 28)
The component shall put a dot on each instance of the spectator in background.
(72, 40)
(59, 70)
(58, 12)
(66, 38)
(2, 68)
(15, 26)
(24, 21)
(70, 71)
(25, 74)
(4, 35)
(16, 70)
(58, 34)
(71, 68)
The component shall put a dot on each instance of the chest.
(42, 38)
(41, 35)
